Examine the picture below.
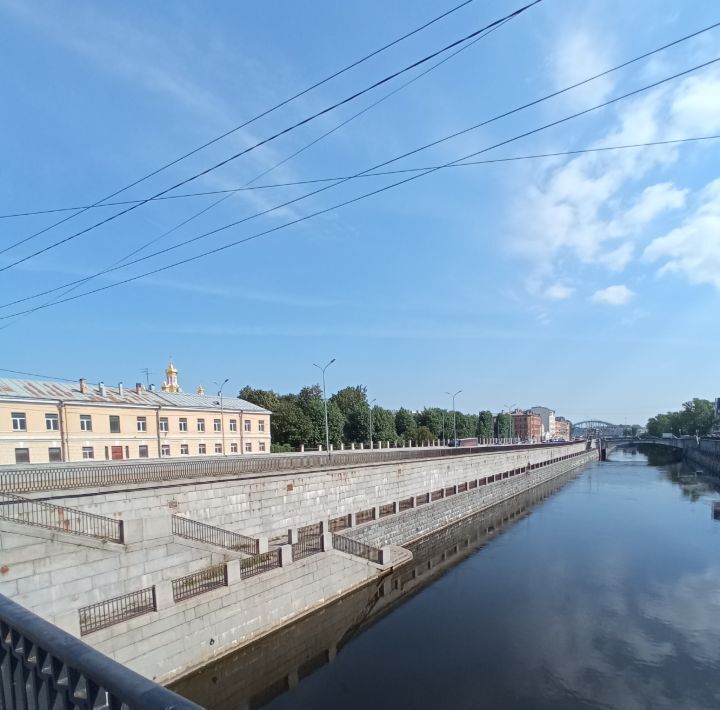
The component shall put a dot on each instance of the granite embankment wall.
(56, 574)
(270, 504)
(421, 520)
(704, 455)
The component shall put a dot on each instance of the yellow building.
(44, 421)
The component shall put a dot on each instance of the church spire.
(171, 381)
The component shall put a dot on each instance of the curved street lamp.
(222, 415)
(453, 395)
(327, 431)
(370, 404)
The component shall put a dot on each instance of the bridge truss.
(595, 428)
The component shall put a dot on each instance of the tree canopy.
(697, 416)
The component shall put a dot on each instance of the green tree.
(267, 399)
(405, 424)
(424, 434)
(290, 424)
(383, 421)
(352, 403)
(432, 418)
(310, 401)
(484, 428)
(502, 425)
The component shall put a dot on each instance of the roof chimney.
(82, 385)
(121, 389)
(103, 391)
(138, 387)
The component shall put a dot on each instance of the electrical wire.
(372, 171)
(255, 118)
(263, 142)
(358, 198)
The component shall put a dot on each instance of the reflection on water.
(606, 594)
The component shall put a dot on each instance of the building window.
(184, 449)
(218, 448)
(262, 446)
(201, 425)
(247, 425)
(164, 424)
(248, 447)
(165, 450)
(261, 425)
(19, 422)
(114, 424)
(143, 451)
(217, 425)
(51, 422)
(233, 425)
(183, 424)
(202, 449)
(54, 453)
(142, 423)
(88, 452)
(233, 447)
(22, 455)
(86, 423)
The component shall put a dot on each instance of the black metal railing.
(45, 668)
(204, 580)
(340, 523)
(202, 532)
(450, 491)
(405, 504)
(19, 479)
(116, 610)
(357, 548)
(436, 495)
(387, 509)
(263, 562)
(26, 511)
(422, 499)
(364, 516)
(306, 546)
(472, 484)
(309, 531)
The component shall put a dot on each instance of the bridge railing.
(43, 667)
(357, 548)
(37, 513)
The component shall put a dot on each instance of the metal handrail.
(37, 513)
(204, 580)
(357, 548)
(116, 610)
(306, 546)
(54, 669)
(263, 562)
(202, 532)
(60, 476)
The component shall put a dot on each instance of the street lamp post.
(453, 395)
(512, 421)
(370, 410)
(222, 414)
(327, 431)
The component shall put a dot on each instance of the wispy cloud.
(613, 295)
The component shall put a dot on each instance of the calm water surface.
(606, 594)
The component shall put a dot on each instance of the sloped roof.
(70, 392)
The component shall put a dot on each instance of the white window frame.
(19, 421)
(233, 447)
(88, 453)
(86, 423)
(202, 449)
(248, 447)
(164, 424)
(217, 425)
(182, 424)
(201, 425)
(233, 425)
(186, 452)
(52, 419)
(165, 450)
(261, 447)
(247, 425)
(142, 423)
(218, 448)
(261, 425)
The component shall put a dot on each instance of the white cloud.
(558, 292)
(613, 295)
(693, 249)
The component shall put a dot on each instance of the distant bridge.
(596, 429)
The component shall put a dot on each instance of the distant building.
(47, 421)
(563, 429)
(548, 420)
(527, 426)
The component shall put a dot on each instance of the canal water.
(598, 590)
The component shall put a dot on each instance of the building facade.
(46, 421)
(548, 421)
(527, 426)
(563, 429)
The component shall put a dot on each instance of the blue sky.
(590, 284)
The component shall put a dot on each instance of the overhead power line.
(372, 171)
(385, 188)
(80, 282)
(34, 374)
(336, 178)
(265, 141)
(255, 118)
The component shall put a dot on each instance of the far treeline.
(300, 419)
(696, 417)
